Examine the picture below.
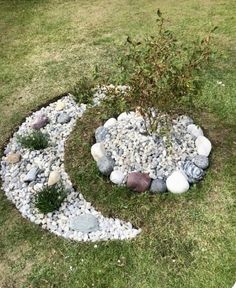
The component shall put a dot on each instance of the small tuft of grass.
(50, 198)
(34, 141)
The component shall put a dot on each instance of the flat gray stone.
(31, 175)
(84, 223)
(63, 118)
(100, 134)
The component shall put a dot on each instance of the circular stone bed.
(156, 162)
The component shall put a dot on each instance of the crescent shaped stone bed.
(26, 172)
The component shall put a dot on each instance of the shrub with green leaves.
(34, 141)
(50, 199)
(164, 73)
(83, 90)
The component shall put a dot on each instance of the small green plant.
(34, 141)
(115, 101)
(163, 73)
(50, 198)
(83, 90)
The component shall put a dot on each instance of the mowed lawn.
(188, 241)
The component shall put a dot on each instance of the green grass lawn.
(187, 240)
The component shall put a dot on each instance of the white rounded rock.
(60, 105)
(117, 177)
(53, 178)
(98, 151)
(177, 182)
(125, 115)
(110, 122)
(194, 130)
(203, 146)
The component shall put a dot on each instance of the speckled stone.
(100, 134)
(63, 118)
(201, 161)
(194, 173)
(105, 165)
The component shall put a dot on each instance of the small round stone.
(158, 186)
(138, 182)
(110, 122)
(54, 178)
(13, 158)
(40, 121)
(117, 177)
(98, 151)
(177, 182)
(203, 146)
(201, 161)
(194, 130)
(105, 165)
(63, 118)
(100, 134)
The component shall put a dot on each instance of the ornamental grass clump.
(34, 141)
(50, 199)
(163, 73)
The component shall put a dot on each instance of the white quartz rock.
(98, 151)
(177, 182)
(53, 178)
(203, 146)
(117, 177)
(60, 105)
(110, 122)
(194, 130)
(125, 115)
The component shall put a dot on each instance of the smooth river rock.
(98, 151)
(100, 134)
(84, 223)
(201, 161)
(54, 178)
(40, 121)
(158, 186)
(105, 165)
(194, 130)
(63, 118)
(60, 106)
(139, 182)
(13, 158)
(110, 122)
(177, 182)
(193, 173)
(117, 177)
(32, 174)
(203, 146)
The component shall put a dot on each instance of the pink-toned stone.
(40, 121)
(138, 182)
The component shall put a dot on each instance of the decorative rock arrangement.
(123, 151)
(25, 173)
(132, 157)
